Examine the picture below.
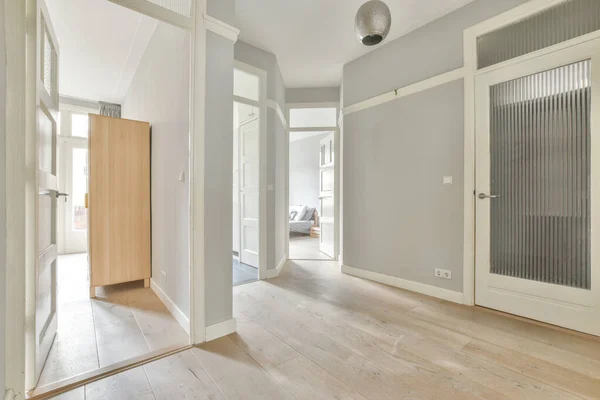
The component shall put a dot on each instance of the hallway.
(314, 333)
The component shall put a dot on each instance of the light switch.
(447, 180)
(182, 176)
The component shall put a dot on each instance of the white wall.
(304, 170)
(159, 94)
(2, 196)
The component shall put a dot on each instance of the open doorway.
(313, 191)
(118, 289)
(308, 182)
(248, 174)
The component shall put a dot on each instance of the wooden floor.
(123, 322)
(304, 247)
(313, 333)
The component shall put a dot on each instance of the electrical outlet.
(164, 275)
(443, 273)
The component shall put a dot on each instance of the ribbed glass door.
(540, 171)
(537, 158)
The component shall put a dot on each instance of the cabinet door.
(119, 200)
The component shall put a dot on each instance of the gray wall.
(399, 219)
(159, 94)
(2, 197)
(426, 52)
(276, 148)
(304, 171)
(218, 179)
(311, 95)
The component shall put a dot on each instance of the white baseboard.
(179, 316)
(440, 293)
(221, 329)
(274, 273)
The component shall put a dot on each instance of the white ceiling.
(313, 39)
(101, 45)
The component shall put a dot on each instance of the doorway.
(249, 132)
(102, 300)
(311, 193)
(536, 202)
(313, 182)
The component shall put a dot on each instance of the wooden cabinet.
(119, 201)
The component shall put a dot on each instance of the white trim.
(275, 106)
(16, 78)
(406, 91)
(440, 293)
(315, 129)
(175, 311)
(221, 329)
(197, 170)
(157, 12)
(274, 273)
(9, 395)
(316, 104)
(221, 28)
(77, 105)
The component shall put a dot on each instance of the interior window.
(79, 125)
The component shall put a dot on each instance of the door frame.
(337, 168)
(470, 73)
(261, 104)
(21, 182)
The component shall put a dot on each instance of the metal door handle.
(483, 196)
(59, 195)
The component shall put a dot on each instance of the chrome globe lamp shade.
(372, 23)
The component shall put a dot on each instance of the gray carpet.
(243, 273)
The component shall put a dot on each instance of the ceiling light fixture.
(372, 23)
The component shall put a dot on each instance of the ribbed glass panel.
(540, 168)
(555, 25)
(183, 7)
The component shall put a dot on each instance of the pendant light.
(372, 23)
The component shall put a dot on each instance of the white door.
(327, 190)
(249, 168)
(73, 160)
(47, 115)
(538, 196)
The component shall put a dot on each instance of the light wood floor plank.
(127, 385)
(181, 377)
(351, 368)
(300, 376)
(553, 355)
(77, 394)
(562, 378)
(367, 338)
(236, 374)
